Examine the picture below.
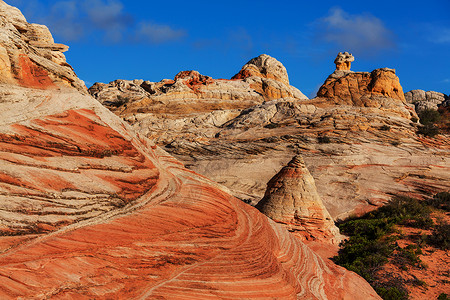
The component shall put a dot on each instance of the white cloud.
(441, 35)
(157, 34)
(361, 33)
(107, 20)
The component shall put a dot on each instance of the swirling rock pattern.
(89, 210)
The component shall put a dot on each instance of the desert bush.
(392, 288)
(443, 296)
(440, 201)
(428, 130)
(429, 116)
(440, 237)
(324, 140)
(385, 128)
(392, 293)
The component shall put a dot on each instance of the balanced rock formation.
(29, 55)
(426, 100)
(291, 199)
(344, 61)
(91, 210)
(360, 88)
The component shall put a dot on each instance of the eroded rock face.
(28, 55)
(425, 100)
(291, 199)
(89, 209)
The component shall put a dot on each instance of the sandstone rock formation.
(344, 61)
(291, 199)
(360, 147)
(425, 100)
(27, 49)
(89, 209)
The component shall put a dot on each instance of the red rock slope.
(90, 211)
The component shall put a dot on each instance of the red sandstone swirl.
(65, 168)
(90, 211)
(87, 211)
(179, 236)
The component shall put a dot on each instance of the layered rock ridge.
(29, 56)
(291, 199)
(91, 210)
(192, 100)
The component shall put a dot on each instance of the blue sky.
(152, 40)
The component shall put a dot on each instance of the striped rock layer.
(291, 199)
(89, 210)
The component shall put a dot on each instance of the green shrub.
(440, 237)
(324, 140)
(392, 293)
(428, 130)
(440, 201)
(405, 211)
(409, 256)
(443, 296)
(429, 117)
(372, 242)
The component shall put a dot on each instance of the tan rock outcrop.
(28, 55)
(344, 61)
(359, 88)
(291, 199)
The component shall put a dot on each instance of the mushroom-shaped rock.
(291, 199)
(344, 61)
